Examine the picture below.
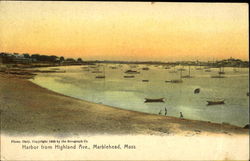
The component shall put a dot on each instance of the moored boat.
(174, 81)
(145, 80)
(100, 76)
(215, 102)
(145, 68)
(148, 100)
(128, 76)
(132, 72)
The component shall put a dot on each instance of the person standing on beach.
(166, 111)
(181, 116)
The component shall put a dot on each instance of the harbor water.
(130, 93)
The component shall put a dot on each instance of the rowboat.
(148, 100)
(215, 102)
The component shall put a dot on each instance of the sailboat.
(181, 69)
(101, 76)
(187, 76)
(173, 71)
(176, 80)
(198, 68)
(221, 70)
(218, 76)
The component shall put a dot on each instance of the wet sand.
(28, 109)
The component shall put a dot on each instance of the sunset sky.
(126, 30)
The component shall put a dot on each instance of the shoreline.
(61, 115)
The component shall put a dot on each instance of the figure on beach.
(160, 112)
(166, 111)
(181, 115)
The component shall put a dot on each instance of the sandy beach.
(27, 108)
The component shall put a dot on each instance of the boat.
(145, 80)
(218, 76)
(132, 72)
(145, 68)
(100, 76)
(176, 80)
(96, 71)
(197, 90)
(199, 68)
(221, 71)
(128, 76)
(216, 102)
(187, 76)
(148, 100)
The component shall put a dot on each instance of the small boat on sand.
(148, 100)
(216, 102)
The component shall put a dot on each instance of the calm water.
(129, 93)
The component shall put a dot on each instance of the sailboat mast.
(189, 70)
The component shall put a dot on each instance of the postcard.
(124, 81)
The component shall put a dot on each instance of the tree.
(79, 60)
(61, 58)
(26, 55)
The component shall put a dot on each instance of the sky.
(130, 31)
